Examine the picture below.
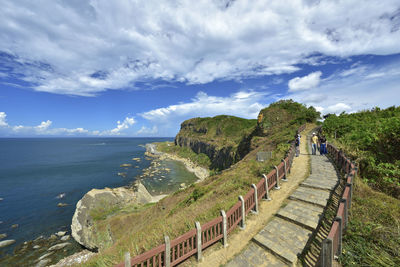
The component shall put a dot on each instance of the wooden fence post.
(127, 259)
(339, 219)
(243, 222)
(285, 170)
(255, 199)
(167, 251)
(277, 179)
(224, 229)
(198, 228)
(327, 252)
(266, 197)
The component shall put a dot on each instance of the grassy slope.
(221, 131)
(373, 234)
(140, 229)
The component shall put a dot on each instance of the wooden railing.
(332, 245)
(193, 242)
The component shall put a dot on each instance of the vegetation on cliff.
(225, 140)
(372, 138)
(139, 231)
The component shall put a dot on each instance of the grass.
(177, 213)
(373, 234)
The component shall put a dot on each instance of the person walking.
(314, 141)
(322, 149)
(297, 144)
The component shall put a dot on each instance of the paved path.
(286, 235)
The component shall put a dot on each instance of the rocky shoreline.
(200, 172)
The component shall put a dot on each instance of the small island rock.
(61, 233)
(6, 243)
(2, 236)
(65, 238)
(62, 204)
(59, 246)
(14, 226)
(43, 263)
(45, 256)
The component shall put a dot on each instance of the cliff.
(224, 139)
(228, 139)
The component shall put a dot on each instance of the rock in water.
(6, 243)
(59, 246)
(65, 238)
(14, 226)
(62, 204)
(43, 263)
(82, 227)
(3, 236)
(61, 233)
(45, 256)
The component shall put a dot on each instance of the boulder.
(61, 233)
(65, 238)
(59, 246)
(43, 263)
(2, 236)
(14, 226)
(62, 204)
(36, 246)
(82, 227)
(45, 256)
(6, 243)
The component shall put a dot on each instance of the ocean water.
(35, 171)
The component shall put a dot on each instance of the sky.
(124, 68)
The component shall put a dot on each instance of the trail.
(217, 255)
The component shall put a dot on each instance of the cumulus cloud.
(3, 121)
(121, 126)
(304, 83)
(146, 131)
(362, 87)
(86, 47)
(337, 108)
(245, 104)
(45, 129)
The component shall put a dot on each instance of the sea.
(36, 174)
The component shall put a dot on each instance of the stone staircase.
(286, 235)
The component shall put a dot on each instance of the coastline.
(200, 172)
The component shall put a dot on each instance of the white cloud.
(86, 47)
(245, 104)
(146, 131)
(121, 126)
(44, 129)
(364, 88)
(305, 83)
(3, 121)
(44, 125)
(337, 108)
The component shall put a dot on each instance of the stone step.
(254, 256)
(320, 183)
(311, 195)
(283, 238)
(303, 214)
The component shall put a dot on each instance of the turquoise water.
(34, 172)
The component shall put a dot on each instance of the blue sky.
(140, 68)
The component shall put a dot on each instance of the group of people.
(318, 142)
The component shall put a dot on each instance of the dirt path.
(216, 255)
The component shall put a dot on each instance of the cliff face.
(224, 139)
(83, 227)
(227, 139)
